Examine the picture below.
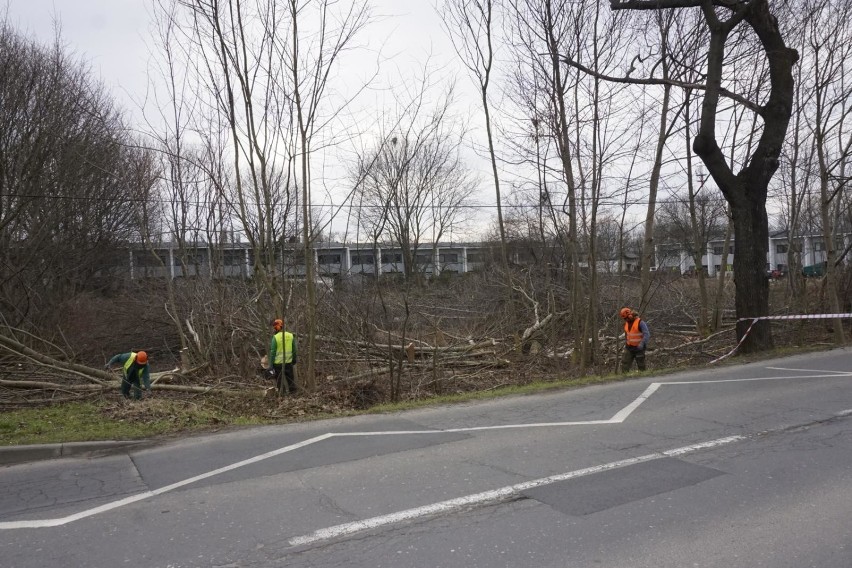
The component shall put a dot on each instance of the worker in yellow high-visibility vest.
(134, 370)
(282, 358)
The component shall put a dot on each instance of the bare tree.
(679, 35)
(827, 47)
(746, 191)
(413, 186)
(233, 56)
(698, 239)
(543, 29)
(265, 70)
(582, 119)
(691, 223)
(321, 31)
(67, 183)
(470, 25)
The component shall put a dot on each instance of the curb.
(11, 455)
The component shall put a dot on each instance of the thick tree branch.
(43, 385)
(697, 86)
(94, 375)
(664, 4)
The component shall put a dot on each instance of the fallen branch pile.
(30, 377)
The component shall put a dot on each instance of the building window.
(819, 245)
(423, 258)
(232, 257)
(474, 257)
(147, 258)
(188, 259)
(717, 250)
(781, 248)
(449, 257)
(391, 258)
(363, 259)
(328, 259)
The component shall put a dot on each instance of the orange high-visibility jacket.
(633, 334)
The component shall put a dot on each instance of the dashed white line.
(841, 373)
(490, 497)
(618, 418)
(834, 375)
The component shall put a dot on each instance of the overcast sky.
(110, 34)
(114, 35)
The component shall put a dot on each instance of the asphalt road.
(734, 466)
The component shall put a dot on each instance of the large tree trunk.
(746, 191)
(751, 238)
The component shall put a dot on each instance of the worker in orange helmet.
(134, 370)
(282, 358)
(636, 334)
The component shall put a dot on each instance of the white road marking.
(617, 418)
(842, 373)
(782, 378)
(622, 414)
(145, 495)
(490, 497)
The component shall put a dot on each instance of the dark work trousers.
(630, 354)
(276, 375)
(290, 375)
(285, 381)
(133, 380)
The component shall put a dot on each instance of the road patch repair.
(611, 488)
(486, 497)
(494, 495)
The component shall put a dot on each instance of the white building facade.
(811, 249)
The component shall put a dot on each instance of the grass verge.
(112, 418)
(115, 420)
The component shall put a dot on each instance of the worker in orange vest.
(636, 336)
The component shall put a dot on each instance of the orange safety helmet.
(278, 325)
(625, 313)
(142, 358)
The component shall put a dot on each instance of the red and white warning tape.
(795, 317)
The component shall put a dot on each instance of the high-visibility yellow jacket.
(282, 349)
(130, 366)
